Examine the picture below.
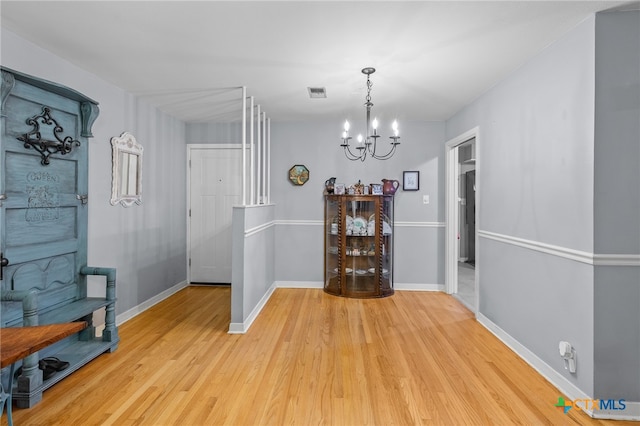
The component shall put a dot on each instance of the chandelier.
(367, 145)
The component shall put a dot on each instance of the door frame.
(191, 147)
(452, 213)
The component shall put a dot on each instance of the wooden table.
(19, 342)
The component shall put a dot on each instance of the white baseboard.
(632, 411)
(299, 284)
(137, 310)
(242, 327)
(418, 287)
(397, 286)
(563, 385)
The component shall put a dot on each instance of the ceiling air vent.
(317, 92)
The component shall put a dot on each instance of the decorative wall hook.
(46, 147)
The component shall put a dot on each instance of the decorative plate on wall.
(298, 174)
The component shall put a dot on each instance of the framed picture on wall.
(298, 174)
(410, 181)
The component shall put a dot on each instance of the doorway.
(214, 187)
(461, 269)
(466, 223)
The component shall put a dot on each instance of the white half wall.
(253, 251)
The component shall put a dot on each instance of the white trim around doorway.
(452, 210)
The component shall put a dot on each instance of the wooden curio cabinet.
(358, 245)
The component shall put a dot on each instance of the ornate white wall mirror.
(126, 179)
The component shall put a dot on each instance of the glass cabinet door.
(359, 245)
(332, 245)
(386, 240)
(360, 249)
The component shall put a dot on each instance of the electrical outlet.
(425, 199)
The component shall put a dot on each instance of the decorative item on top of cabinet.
(376, 189)
(328, 185)
(389, 186)
(358, 188)
(358, 245)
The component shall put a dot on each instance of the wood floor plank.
(309, 358)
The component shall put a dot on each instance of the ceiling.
(432, 58)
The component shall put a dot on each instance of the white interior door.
(215, 186)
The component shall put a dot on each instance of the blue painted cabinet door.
(43, 217)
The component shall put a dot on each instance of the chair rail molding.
(567, 253)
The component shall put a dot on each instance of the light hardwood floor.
(308, 359)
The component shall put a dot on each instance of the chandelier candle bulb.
(367, 145)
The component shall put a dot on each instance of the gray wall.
(617, 332)
(536, 175)
(536, 146)
(147, 243)
(215, 133)
(617, 133)
(300, 209)
(617, 204)
(560, 153)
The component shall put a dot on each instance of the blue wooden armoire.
(43, 226)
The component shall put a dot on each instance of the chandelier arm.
(350, 155)
(388, 154)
